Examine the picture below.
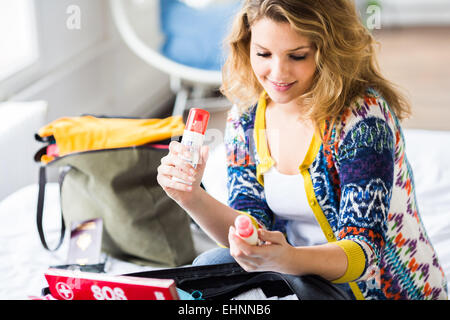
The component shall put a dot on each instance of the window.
(18, 45)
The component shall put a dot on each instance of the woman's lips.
(281, 86)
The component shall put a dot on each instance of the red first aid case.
(77, 285)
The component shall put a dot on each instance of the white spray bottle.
(193, 136)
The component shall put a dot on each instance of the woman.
(315, 157)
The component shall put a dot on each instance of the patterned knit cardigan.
(360, 188)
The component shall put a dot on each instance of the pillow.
(428, 153)
(194, 37)
(215, 175)
(19, 121)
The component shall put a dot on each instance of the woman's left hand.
(276, 254)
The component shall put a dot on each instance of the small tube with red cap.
(246, 230)
(193, 136)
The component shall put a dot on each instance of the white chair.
(139, 23)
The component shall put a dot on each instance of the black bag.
(225, 281)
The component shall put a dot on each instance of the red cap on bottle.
(197, 120)
(243, 226)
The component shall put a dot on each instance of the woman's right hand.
(173, 165)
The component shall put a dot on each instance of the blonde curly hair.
(345, 56)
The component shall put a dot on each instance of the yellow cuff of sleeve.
(356, 261)
(254, 222)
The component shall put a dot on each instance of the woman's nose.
(279, 69)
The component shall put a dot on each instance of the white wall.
(89, 70)
(400, 13)
(415, 12)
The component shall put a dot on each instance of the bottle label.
(193, 141)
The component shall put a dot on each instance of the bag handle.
(40, 211)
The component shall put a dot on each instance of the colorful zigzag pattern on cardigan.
(365, 188)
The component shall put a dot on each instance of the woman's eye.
(297, 58)
(293, 57)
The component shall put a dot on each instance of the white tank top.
(286, 197)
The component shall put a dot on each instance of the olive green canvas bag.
(141, 224)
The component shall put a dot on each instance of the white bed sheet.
(23, 260)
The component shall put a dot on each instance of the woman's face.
(282, 60)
